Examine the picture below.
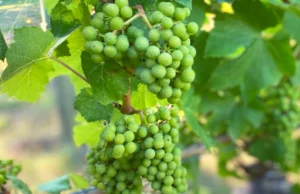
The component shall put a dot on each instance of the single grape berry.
(152, 52)
(154, 88)
(165, 59)
(116, 23)
(166, 8)
(132, 53)
(179, 30)
(175, 42)
(188, 76)
(97, 58)
(158, 71)
(110, 38)
(166, 92)
(180, 14)
(166, 34)
(111, 9)
(146, 76)
(97, 23)
(96, 47)
(154, 35)
(110, 51)
(192, 28)
(89, 33)
(121, 3)
(141, 43)
(122, 43)
(126, 12)
(157, 16)
(167, 23)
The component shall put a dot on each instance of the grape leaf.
(198, 13)
(291, 23)
(56, 186)
(109, 81)
(79, 181)
(143, 99)
(81, 11)
(186, 3)
(3, 46)
(147, 4)
(28, 64)
(19, 185)
(62, 20)
(90, 108)
(190, 105)
(50, 4)
(87, 133)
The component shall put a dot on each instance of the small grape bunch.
(101, 36)
(161, 164)
(8, 168)
(283, 113)
(113, 162)
(168, 53)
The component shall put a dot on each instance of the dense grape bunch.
(283, 113)
(162, 56)
(128, 152)
(8, 168)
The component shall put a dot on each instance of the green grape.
(179, 30)
(126, 12)
(148, 143)
(97, 23)
(167, 23)
(185, 50)
(163, 166)
(129, 136)
(146, 162)
(173, 100)
(121, 3)
(88, 45)
(154, 88)
(146, 76)
(174, 132)
(178, 172)
(110, 51)
(158, 71)
(158, 143)
(139, 33)
(188, 75)
(164, 113)
(167, 189)
(153, 129)
(176, 93)
(187, 43)
(173, 122)
(118, 151)
(101, 186)
(150, 63)
(131, 31)
(187, 11)
(177, 55)
(142, 132)
(101, 169)
(121, 129)
(164, 82)
(157, 16)
(166, 8)
(158, 135)
(192, 28)
(165, 59)
(180, 14)
(149, 153)
(97, 58)
(121, 186)
(174, 111)
(141, 43)
(175, 42)
(192, 51)
(170, 73)
(99, 15)
(130, 147)
(186, 87)
(150, 178)
(119, 56)
(156, 185)
(187, 61)
(132, 53)
(111, 172)
(151, 118)
(96, 47)
(111, 10)
(160, 175)
(152, 170)
(154, 35)
(166, 92)
(166, 34)
(178, 83)
(116, 23)
(89, 33)
(155, 162)
(152, 52)
(133, 127)
(159, 154)
(165, 127)
(175, 64)
(110, 136)
(119, 139)
(110, 38)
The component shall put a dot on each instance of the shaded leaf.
(79, 181)
(56, 186)
(186, 3)
(291, 23)
(19, 185)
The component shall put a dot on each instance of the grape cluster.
(162, 56)
(283, 113)
(7, 168)
(128, 152)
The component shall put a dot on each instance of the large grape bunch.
(283, 113)
(8, 168)
(128, 152)
(162, 56)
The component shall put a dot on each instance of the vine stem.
(69, 68)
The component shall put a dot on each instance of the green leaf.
(81, 11)
(28, 64)
(50, 4)
(87, 133)
(56, 186)
(79, 181)
(141, 99)
(3, 47)
(19, 185)
(147, 4)
(116, 116)
(109, 81)
(62, 20)
(186, 3)
(291, 23)
(190, 105)
(90, 107)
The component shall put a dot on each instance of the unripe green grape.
(99, 15)
(111, 171)
(185, 50)
(175, 42)
(154, 35)
(132, 53)
(164, 113)
(154, 88)
(167, 189)
(119, 139)
(126, 12)
(111, 10)
(101, 186)
(166, 8)
(180, 14)
(176, 93)
(97, 23)
(130, 147)
(152, 170)
(152, 52)
(139, 33)
(133, 127)
(146, 162)
(131, 31)
(179, 30)
(116, 23)
(88, 45)
(158, 71)
(121, 129)
(158, 143)
(192, 28)
(149, 153)
(110, 51)
(129, 136)
(174, 132)
(186, 87)
(142, 132)
(178, 172)
(160, 175)
(173, 100)
(157, 16)
(175, 64)
(110, 38)
(171, 73)
(160, 154)
(141, 43)
(177, 55)
(97, 58)
(146, 76)
(156, 185)
(118, 56)
(148, 143)
(151, 118)
(192, 51)
(101, 169)
(155, 161)
(158, 135)
(89, 33)
(150, 178)
(118, 151)
(153, 129)
(165, 59)
(186, 42)
(110, 136)
(164, 82)
(163, 166)
(187, 61)
(188, 75)
(178, 83)
(165, 92)
(104, 28)
(96, 47)
(166, 34)
(187, 11)
(121, 186)
(166, 23)
(150, 63)
(121, 3)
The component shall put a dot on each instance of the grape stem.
(143, 15)
(69, 68)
